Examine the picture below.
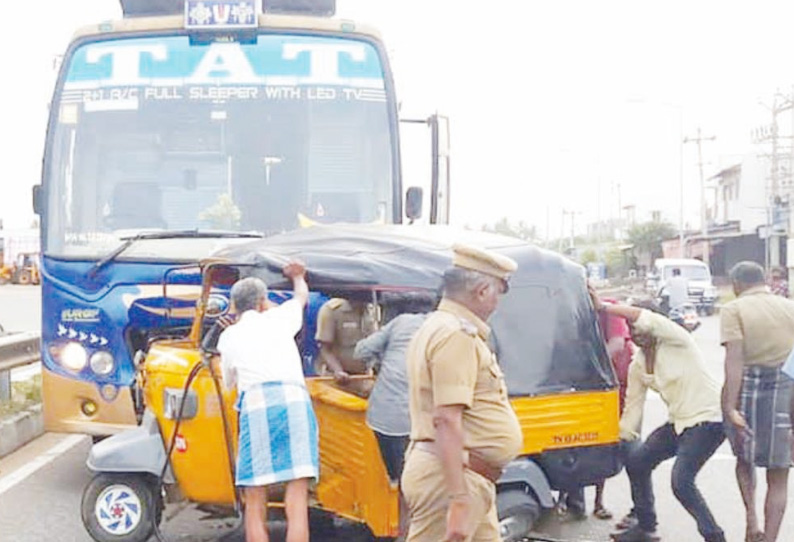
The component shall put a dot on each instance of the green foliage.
(224, 214)
(618, 262)
(588, 256)
(647, 238)
(24, 394)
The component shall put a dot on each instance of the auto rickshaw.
(545, 333)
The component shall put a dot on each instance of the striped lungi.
(765, 403)
(277, 435)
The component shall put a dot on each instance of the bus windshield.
(163, 133)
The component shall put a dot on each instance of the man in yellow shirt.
(757, 330)
(668, 361)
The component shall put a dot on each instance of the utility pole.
(703, 218)
(562, 232)
(572, 234)
(775, 196)
(547, 244)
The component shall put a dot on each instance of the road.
(20, 307)
(20, 310)
(41, 485)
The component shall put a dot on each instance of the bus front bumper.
(76, 406)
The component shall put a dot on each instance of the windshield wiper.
(182, 234)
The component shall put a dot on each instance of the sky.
(567, 105)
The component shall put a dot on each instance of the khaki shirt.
(449, 363)
(764, 322)
(341, 325)
(679, 375)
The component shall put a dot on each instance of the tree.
(618, 262)
(224, 214)
(588, 256)
(647, 239)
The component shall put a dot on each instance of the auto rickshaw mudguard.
(587, 465)
(523, 471)
(139, 449)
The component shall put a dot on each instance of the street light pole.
(681, 246)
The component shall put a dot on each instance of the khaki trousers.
(427, 497)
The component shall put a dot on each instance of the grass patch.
(24, 394)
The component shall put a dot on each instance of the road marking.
(9, 481)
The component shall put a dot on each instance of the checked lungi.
(765, 403)
(277, 435)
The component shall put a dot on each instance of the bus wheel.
(120, 507)
(518, 511)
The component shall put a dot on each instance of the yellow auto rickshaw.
(545, 333)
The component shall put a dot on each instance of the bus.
(183, 128)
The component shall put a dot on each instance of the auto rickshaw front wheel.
(121, 507)
(518, 511)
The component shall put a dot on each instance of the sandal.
(757, 536)
(627, 522)
(603, 513)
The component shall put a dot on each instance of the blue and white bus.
(181, 129)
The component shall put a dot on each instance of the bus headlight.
(73, 356)
(101, 362)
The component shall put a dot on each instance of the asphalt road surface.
(41, 485)
(20, 307)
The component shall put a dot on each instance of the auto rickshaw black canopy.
(545, 332)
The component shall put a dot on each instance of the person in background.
(387, 409)
(620, 349)
(675, 292)
(278, 439)
(341, 324)
(778, 283)
(757, 330)
(668, 360)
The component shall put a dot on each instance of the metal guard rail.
(16, 350)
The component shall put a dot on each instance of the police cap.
(484, 261)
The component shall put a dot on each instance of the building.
(740, 221)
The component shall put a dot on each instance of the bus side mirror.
(37, 199)
(413, 203)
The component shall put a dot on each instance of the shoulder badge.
(335, 303)
(467, 327)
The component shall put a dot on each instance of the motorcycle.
(685, 315)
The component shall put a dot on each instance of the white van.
(701, 289)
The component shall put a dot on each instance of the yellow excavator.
(25, 270)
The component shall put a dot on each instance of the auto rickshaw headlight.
(73, 356)
(102, 362)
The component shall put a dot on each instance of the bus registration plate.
(220, 14)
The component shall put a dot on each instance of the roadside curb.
(18, 429)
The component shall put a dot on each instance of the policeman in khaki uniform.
(341, 323)
(464, 431)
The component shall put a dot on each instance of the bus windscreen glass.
(161, 133)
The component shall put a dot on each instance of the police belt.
(472, 460)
